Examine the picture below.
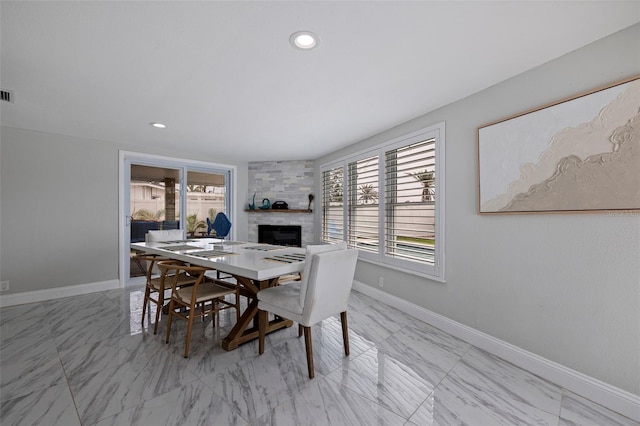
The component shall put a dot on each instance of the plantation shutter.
(410, 231)
(363, 207)
(332, 205)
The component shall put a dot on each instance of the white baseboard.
(609, 396)
(56, 293)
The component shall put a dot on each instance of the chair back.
(165, 235)
(310, 251)
(170, 224)
(328, 284)
(170, 271)
(139, 229)
(222, 225)
(159, 236)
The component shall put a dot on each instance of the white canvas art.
(579, 154)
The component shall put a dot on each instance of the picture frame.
(579, 154)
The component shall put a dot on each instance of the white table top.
(242, 260)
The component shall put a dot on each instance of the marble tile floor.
(88, 360)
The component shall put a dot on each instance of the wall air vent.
(7, 96)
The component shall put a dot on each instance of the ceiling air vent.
(7, 96)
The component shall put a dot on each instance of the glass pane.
(154, 202)
(206, 197)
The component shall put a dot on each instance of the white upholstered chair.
(160, 236)
(164, 235)
(323, 292)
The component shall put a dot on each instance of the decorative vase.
(265, 204)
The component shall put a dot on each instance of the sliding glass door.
(159, 193)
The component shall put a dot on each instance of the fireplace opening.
(281, 235)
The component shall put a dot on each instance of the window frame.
(433, 271)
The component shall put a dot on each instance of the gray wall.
(563, 286)
(59, 198)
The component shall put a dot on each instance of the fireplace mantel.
(292, 181)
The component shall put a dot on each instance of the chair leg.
(189, 328)
(345, 332)
(170, 317)
(146, 301)
(309, 347)
(263, 319)
(299, 330)
(158, 309)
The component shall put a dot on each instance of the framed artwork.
(580, 154)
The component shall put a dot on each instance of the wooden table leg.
(241, 333)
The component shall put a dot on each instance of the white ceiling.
(225, 80)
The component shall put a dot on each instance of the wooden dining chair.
(194, 299)
(289, 277)
(160, 236)
(156, 285)
(323, 292)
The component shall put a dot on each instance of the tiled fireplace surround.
(289, 181)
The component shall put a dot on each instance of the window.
(363, 205)
(409, 202)
(332, 205)
(388, 202)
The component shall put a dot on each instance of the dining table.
(254, 266)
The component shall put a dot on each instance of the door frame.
(126, 158)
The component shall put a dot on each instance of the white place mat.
(264, 248)
(211, 253)
(287, 258)
(181, 247)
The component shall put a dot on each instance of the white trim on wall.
(57, 293)
(609, 396)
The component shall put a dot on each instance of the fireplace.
(282, 235)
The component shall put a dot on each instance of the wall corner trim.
(57, 293)
(609, 396)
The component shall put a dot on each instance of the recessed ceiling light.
(159, 125)
(303, 40)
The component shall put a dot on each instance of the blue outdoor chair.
(221, 225)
